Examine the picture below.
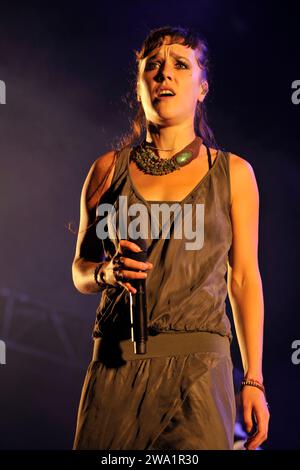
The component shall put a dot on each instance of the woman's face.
(172, 66)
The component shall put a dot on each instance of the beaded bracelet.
(253, 380)
(102, 284)
(253, 383)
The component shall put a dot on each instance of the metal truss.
(35, 328)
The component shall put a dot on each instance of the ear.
(203, 90)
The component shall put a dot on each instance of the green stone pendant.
(151, 164)
(183, 158)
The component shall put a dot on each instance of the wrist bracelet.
(253, 380)
(102, 284)
(253, 383)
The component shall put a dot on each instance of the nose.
(165, 70)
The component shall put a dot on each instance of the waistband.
(164, 344)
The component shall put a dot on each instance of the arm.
(89, 248)
(245, 289)
(244, 281)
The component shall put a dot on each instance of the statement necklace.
(151, 164)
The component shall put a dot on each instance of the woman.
(179, 395)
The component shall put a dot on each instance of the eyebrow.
(155, 56)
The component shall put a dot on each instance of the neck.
(169, 140)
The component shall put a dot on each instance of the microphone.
(138, 304)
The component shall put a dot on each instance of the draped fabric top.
(186, 288)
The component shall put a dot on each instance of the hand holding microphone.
(138, 305)
(129, 263)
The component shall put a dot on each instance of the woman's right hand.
(119, 263)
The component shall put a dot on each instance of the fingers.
(248, 418)
(129, 287)
(133, 274)
(131, 263)
(130, 245)
(130, 275)
(262, 420)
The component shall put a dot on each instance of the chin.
(171, 119)
(166, 114)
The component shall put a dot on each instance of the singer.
(178, 394)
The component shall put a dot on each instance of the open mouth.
(158, 99)
(164, 96)
(164, 92)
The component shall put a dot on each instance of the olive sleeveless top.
(186, 289)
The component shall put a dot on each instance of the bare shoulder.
(104, 160)
(103, 164)
(238, 163)
(99, 177)
(242, 177)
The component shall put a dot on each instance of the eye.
(182, 63)
(150, 65)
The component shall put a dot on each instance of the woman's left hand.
(256, 414)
